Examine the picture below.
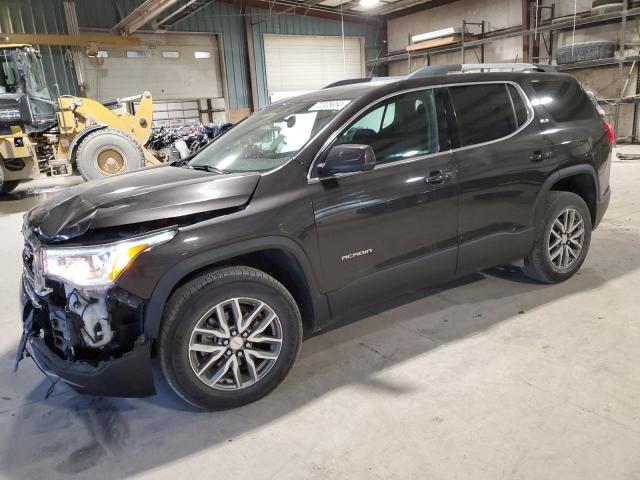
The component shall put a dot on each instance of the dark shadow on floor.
(72, 434)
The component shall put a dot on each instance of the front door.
(392, 228)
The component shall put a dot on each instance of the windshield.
(36, 83)
(269, 138)
(9, 79)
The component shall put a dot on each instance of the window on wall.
(402, 127)
(483, 112)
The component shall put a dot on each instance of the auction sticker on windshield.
(330, 105)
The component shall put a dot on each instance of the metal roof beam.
(142, 15)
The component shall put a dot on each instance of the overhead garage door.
(181, 71)
(300, 63)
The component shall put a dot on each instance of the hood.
(154, 193)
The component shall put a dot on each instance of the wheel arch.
(279, 257)
(579, 179)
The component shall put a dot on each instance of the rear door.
(393, 227)
(502, 162)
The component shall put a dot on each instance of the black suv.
(314, 205)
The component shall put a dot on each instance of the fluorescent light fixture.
(445, 32)
(170, 54)
(202, 54)
(369, 3)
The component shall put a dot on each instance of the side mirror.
(348, 159)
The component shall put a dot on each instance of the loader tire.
(8, 186)
(108, 152)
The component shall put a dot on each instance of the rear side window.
(564, 100)
(484, 112)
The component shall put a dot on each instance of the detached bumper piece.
(128, 376)
(120, 369)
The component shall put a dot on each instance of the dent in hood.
(150, 194)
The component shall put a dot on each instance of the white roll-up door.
(301, 63)
(179, 70)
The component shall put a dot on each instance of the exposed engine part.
(182, 148)
(92, 311)
(174, 143)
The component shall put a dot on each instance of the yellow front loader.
(38, 133)
(99, 140)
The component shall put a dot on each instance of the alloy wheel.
(235, 343)
(566, 239)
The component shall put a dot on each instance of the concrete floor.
(493, 377)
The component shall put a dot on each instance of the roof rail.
(434, 70)
(348, 81)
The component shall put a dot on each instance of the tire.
(195, 304)
(538, 264)
(608, 7)
(585, 52)
(108, 152)
(600, 3)
(8, 186)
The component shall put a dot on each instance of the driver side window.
(400, 128)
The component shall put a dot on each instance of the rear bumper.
(601, 208)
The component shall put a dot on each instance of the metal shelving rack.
(535, 34)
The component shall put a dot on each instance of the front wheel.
(562, 239)
(229, 337)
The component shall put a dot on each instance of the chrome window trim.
(332, 138)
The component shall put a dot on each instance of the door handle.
(438, 177)
(539, 155)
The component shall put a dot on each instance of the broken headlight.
(97, 266)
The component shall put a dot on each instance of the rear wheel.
(108, 152)
(562, 239)
(229, 337)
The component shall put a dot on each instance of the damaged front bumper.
(124, 371)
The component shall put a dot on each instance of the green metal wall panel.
(228, 20)
(47, 16)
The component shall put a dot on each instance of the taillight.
(610, 133)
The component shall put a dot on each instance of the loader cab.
(25, 99)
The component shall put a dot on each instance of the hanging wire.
(344, 55)
(573, 35)
(535, 30)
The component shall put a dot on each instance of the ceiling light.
(368, 3)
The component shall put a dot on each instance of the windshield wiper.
(209, 168)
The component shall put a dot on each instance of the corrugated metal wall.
(215, 18)
(42, 16)
(221, 18)
(228, 20)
